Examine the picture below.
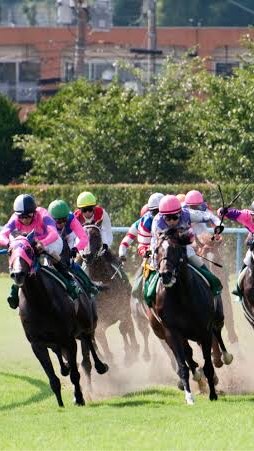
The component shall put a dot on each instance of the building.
(32, 56)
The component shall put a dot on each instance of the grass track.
(155, 419)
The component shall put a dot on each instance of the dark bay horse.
(113, 304)
(50, 319)
(184, 310)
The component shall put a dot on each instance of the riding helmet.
(154, 200)
(194, 197)
(58, 209)
(86, 199)
(24, 204)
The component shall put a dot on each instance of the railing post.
(239, 246)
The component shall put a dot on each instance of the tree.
(127, 13)
(12, 164)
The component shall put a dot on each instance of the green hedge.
(122, 202)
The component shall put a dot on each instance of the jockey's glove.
(38, 247)
(122, 258)
(147, 254)
(223, 211)
(218, 229)
(105, 247)
(73, 252)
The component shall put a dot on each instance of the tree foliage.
(12, 164)
(190, 126)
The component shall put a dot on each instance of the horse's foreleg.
(86, 361)
(131, 345)
(175, 342)
(208, 366)
(226, 356)
(144, 328)
(100, 335)
(101, 367)
(42, 355)
(65, 369)
(71, 353)
(228, 313)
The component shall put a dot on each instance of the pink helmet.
(144, 209)
(194, 198)
(169, 204)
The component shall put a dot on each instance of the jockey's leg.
(237, 290)
(215, 283)
(13, 298)
(72, 287)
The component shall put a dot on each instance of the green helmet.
(86, 199)
(58, 209)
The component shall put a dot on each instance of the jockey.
(90, 213)
(27, 217)
(194, 201)
(68, 226)
(172, 216)
(70, 229)
(145, 224)
(131, 235)
(246, 218)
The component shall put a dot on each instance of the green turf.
(154, 419)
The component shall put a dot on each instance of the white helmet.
(154, 200)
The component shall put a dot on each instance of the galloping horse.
(183, 310)
(211, 249)
(113, 304)
(50, 319)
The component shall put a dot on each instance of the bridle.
(167, 281)
(93, 256)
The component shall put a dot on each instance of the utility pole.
(152, 39)
(81, 8)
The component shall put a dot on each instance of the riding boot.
(237, 290)
(215, 283)
(72, 287)
(13, 299)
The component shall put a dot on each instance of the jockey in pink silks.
(27, 217)
(246, 218)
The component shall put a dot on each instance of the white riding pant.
(55, 248)
(247, 258)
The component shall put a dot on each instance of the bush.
(123, 202)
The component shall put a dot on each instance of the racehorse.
(50, 319)
(211, 250)
(183, 310)
(248, 290)
(113, 304)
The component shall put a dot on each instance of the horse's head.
(171, 254)
(94, 248)
(21, 255)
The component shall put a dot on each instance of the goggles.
(85, 209)
(61, 220)
(173, 217)
(25, 216)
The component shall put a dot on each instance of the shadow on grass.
(43, 388)
(130, 399)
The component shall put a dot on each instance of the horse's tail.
(100, 367)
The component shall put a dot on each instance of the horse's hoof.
(189, 398)
(215, 379)
(227, 358)
(218, 363)
(213, 397)
(65, 370)
(79, 402)
(199, 373)
(101, 368)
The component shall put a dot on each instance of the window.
(29, 71)
(8, 73)
(225, 69)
